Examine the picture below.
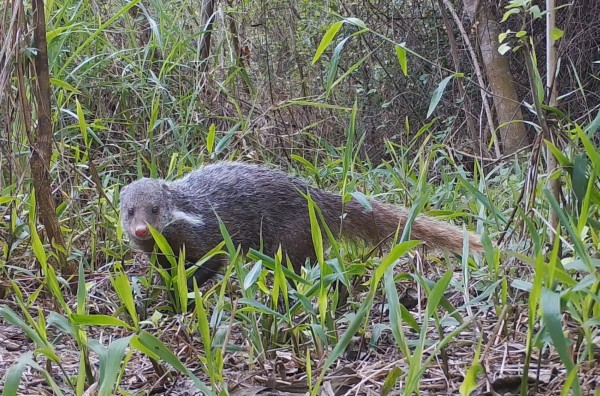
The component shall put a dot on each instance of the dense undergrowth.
(122, 110)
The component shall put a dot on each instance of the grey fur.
(260, 207)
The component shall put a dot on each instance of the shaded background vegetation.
(152, 81)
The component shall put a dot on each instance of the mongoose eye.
(130, 211)
(155, 209)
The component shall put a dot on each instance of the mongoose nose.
(141, 232)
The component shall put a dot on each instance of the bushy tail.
(382, 223)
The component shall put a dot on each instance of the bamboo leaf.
(329, 35)
(152, 346)
(437, 95)
(13, 376)
(99, 320)
(64, 85)
(261, 307)
(333, 66)
(253, 275)
(390, 381)
(110, 363)
(402, 59)
(122, 286)
(210, 138)
(551, 312)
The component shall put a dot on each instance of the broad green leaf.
(149, 344)
(204, 328)
(538, 84)
(53, 33)
(269, 263)
(163, 245)
(415, 363)
(356, 22)
(5, 200)
(558, 154)
(36, 242)
(552, 314)
(81, 290)
(423, 129)
(279, 281)
(591, 150)
(483, 200)
(64, 85)
(556, 34)
(61, 322)
(122, 286)
(437, 95)
(224, 141)
(182, 287)
(580, 178)
(54, 286)
(231, 249)
(111, 363)
(13, 376)
(329, 35)
(351, 69)
(508, 13)
(504, 48)
(475, 369)
(346, 338)
(253, 275)
(333, 65)
(305, 162)
(259, 306)
(217, 250)
(401, 54)
(437, 293)
(210, 138)
(397, 251)
(535, 12)
(363, 200)
(317, 237)
(396, 313)
(11, 317)
(566, 223)
(521, 33)
(390, 381)
(173, 163)
(99, 320)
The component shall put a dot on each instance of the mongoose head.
(145, 202)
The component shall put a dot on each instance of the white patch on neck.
(188, 218)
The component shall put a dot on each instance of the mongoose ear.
(123, 190)
(165, 188)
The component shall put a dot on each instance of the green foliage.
(125, 107)
(268, 299)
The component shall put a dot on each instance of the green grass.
(256, 300)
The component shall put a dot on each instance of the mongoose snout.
(261, 209)
(142, 232)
